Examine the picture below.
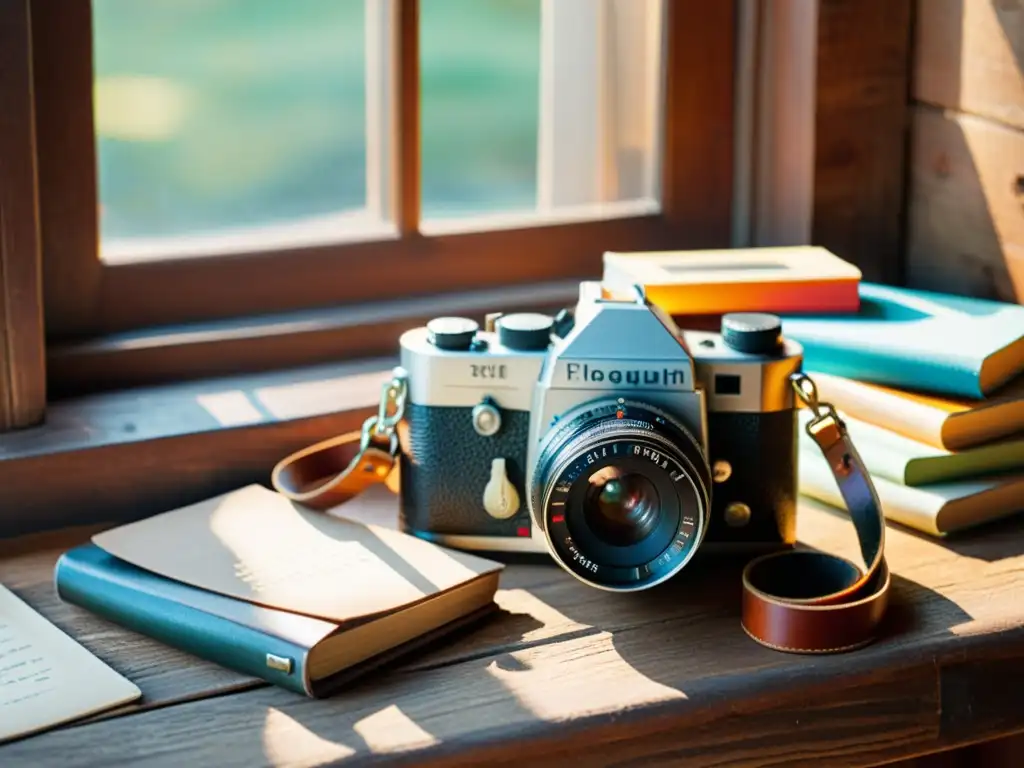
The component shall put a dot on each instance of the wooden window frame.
(85, 298)
(155, 448)
(22, 359)
(97, 317)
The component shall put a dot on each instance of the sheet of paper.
(46, 678)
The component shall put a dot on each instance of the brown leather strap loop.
(806, 601)
(312, 476)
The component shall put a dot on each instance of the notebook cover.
(909, 338)
(254, 544)
(233, 633)
(228, 632)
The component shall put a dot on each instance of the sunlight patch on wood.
(284, 737)
(391, 730)
(522, 602)
(577, 679)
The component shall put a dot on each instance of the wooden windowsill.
(276, 342)
(127, 454)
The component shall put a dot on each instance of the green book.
(907, 461)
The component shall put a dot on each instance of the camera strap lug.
(333, 471)
(806, 601)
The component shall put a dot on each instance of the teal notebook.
(277, 646)
(920, 340)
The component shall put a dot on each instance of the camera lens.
(621, 508)
(622, 492)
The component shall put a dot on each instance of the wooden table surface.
(568, 672)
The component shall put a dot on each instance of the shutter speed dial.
(525, 331)
(452, 333)
(752, 332)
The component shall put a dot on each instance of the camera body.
(609, 437)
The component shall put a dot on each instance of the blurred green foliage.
(226, 113)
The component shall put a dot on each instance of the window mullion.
(380, 45)
(22, 367)
(407, 117)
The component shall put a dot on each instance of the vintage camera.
(608, 437)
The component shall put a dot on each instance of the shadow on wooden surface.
(567, 672)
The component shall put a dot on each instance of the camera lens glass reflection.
(621, 508)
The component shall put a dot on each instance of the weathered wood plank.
(568, 671)
(616, 698)
(22, 361)
(965, 228)
(163, 674)
(157, 448)
(967, 57)
(860, 134)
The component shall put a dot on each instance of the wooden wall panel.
(967, 56)
(22, 359)
(966, 186)
(864, 50)
(966, 224)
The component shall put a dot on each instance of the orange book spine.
(783, 297)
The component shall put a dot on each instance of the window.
(215, 160)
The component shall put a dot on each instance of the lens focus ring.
(622, 493)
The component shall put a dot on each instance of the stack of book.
(931, 386)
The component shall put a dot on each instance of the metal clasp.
(381, 428)
(807, 391)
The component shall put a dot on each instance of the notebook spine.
(188, 629)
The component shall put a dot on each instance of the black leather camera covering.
(445, 466)
(762, 449)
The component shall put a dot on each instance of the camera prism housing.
(607, 437)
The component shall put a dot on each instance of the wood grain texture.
(22, 361)
(965, 223)
(968, 55)
(697, 154)
(315, 337)
(861, 128)
(162, 447)
(407, 124)
(661, 677)
(163, 674)
(62, 67)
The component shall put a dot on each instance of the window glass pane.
(480, 85)
(214, 117)
(539, 108)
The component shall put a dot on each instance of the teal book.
(919, 340)
(297, 652)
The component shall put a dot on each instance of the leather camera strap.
(798, 601)
(331, 472)
(805, 601)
